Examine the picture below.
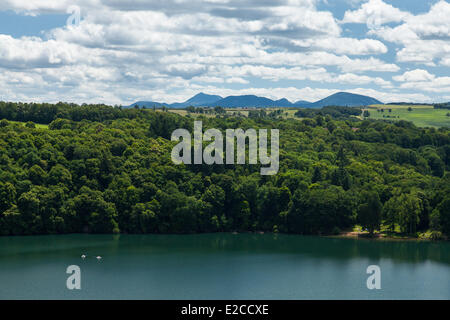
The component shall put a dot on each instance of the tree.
(369, 213)
(30, 125)
(92, 213)
(59, 174)
(390, 213)
(12, 222)
(409, 208)
(317, 175)
(143, 218)
(340, 177)
(242, 221)
(341, 159)
(7, 196)
(215, 196)
(437, 166)
(443, 212)
(319, 120)
(331, 126)
(317, 211)
(101, 169)
(37, 175)
(405, 210)
(219, 110)
(190, 109)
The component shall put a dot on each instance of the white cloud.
(371, 64)
(237, 80)
(126, 50)
(415, 75)
(392, 96)
(428, 52)
(422, 80)
(445, 61)
(33, 52)
(375, 13)
(33, 7)
(358, 80)
(432, 25)
(343, 45)
(425, 38)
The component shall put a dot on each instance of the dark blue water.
(221, 266)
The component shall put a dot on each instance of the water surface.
(221, 266)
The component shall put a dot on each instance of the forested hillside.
(100, 169)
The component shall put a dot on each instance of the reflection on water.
(221, 266)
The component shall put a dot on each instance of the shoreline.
(343, 235)
(383, 237)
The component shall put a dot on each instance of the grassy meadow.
(288, 113)
(420, 115)
(37, 125)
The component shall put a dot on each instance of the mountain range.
(205, 100)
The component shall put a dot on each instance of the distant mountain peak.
(205, 100)
(202, 98)
(345, 99)
(203, 95)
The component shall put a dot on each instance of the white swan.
(98, 258)
(83, 256)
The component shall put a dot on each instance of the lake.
(221, 266)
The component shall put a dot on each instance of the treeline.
(206, 110)
(335, 112)
(442, 105)
(407, 104)
(45, 113)
(116, 175)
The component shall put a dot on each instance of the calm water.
(221, 266)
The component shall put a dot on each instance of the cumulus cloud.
(424, 37)
(126, 50)
(33, 7)
(34, 52)
(342, 45)
(433, 25)
(375, 13)
(422, 80)
(415, 75)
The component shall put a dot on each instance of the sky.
(121, 51)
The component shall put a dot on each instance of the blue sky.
(123, 51)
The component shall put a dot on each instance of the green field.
(288, 113)
(420, 115)
(39, 126)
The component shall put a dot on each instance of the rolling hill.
(345, 99)
(251, 101)
(204, 100)
(198, 100)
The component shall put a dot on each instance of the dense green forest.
(335, 112)
(102, 169)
